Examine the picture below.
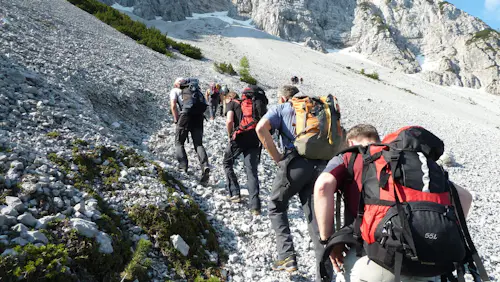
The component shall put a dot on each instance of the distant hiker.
(309, 137)
(213, 97)
(301, 80)
(295, 80)
(223, 93)
(188, 97)
(381, 193)
(241, 120)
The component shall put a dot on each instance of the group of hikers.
(295, 80)
(403, 219)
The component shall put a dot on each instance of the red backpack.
(251, 112)
(409, 219)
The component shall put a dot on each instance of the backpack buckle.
(367, 159)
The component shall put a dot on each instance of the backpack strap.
(474, 259)
(350, 177)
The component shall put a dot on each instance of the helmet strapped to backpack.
(193, 101)
(319, 133)
(410, 219)
(251, 112)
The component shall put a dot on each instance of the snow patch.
(158, 18)
(223, 15)
(122, 8)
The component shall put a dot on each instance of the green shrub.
(53, 134)
(245, 75)
(225, 68)
(373, 75)
(150, 37)
(140, 263)
(31, 263)
(483, 35)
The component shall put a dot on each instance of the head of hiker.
(177, 82)
(362, 134)
(286, 92)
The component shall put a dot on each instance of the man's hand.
(337, 257)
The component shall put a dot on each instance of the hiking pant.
(185, 125)
(295, 175)
(214, 104)
(251, 161)
(362, 269)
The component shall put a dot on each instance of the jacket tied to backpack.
(410, 220)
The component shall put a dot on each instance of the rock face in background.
(432, 37)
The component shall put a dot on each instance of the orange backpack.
(319, 133)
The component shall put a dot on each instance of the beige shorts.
(363, 269)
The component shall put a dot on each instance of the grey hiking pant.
(213, 106)
(295, 175)
(251, 161)
(194, 125)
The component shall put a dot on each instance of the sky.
(487, 10)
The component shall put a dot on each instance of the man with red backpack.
(241, 119)
(403, 219)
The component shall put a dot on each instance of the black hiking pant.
(295, 175)
(251, 161)
(194, 125)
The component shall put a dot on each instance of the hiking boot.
(205, 175)
(255, 212)
(289, 264)
(235, 199)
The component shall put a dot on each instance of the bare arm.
(230, 123)
(173, 108)
(324, 203)
(465, 199)
(263, 131)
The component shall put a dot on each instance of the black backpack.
(193, 102)
(253, 107)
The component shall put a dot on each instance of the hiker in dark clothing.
(189, 121)
(295, 175)
(248, 144)
(213, 97)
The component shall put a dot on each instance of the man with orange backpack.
(310, 133)
(241, 119)
(403, 219)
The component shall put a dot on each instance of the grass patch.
(150, 37)
(188, 221)
(31, 263)
(225, 68)
(373, 75)
(483, 35)
(140, 263)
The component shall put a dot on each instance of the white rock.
(58, 202)
(80, 207)
(20, 241)
(14, 202)
(17, 165)
(29, 188)
(7, 210)
(27, 219)
(42, 222)
(115, 124)
(21, 228)
(105, 243)
(179, 244)
(84, 227)
(37, 237)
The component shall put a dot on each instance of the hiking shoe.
(289, 264)
(205, 176)
(235, 199)
(255, 212)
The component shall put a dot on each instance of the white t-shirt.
(175, 94)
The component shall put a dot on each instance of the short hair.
(288, 91)
(178, 80)
(232, 95)
(363, 131)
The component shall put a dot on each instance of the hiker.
(223, 93)
(242, 117)
(230, 97)
(301, 80)
(213, 97)
(345, 173)
(189, 119)
(297, 171)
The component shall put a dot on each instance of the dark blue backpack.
(193, 102)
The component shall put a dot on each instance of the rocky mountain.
(431, 37)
